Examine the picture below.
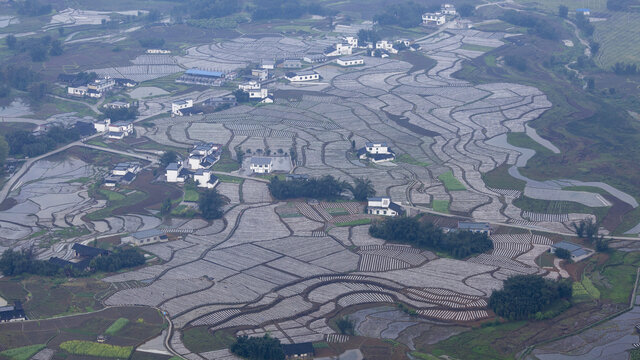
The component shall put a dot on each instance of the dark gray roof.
(574, 249)
(371, 144)
(173, 166)
(396, 207)
(84, 250)
(473, 226)
(381, 156)
(298, 349)
(261, 160)
(352, 58)
(147, 233)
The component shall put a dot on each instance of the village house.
(339, 49)
(436, 18)
(351, 40)
(176, 173)
(228, 100)
(102, 125)
(261, 74)
(299, 351)
(261, 165)
(124, 172)
(145, 237)
(102, 86)
(308, 75)
(117, 105)
(386, 46)
(158, 51)
(203, 77)
(314, 58)
(448, 9)
(584, 11)
(119, 130)
(291, 64)
(267, 64)
(12, 313)
(476, 227)
(350, 61)
(376, 152)
(125, 82)
(258, 93)
(383, 206)
(250, 85)
(205, 179)
(204, 155)
(77, 90)
(576, 251)
(180, 108)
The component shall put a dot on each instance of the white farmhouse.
(376, 152)
(204, 155)
(103, 85)
(383, 206)
(178, 107)
(120, 130)
(123, 168)
(145, 237)
(448, 9)
(158, 51)
(350, 61)
(261, 165)
(339, 49)
(351, 40)
(250, 85)
(268, 64)
(77, 91)
(205, 179)
(258, 93)
(102, 126)
(176, 173)
(386, 46)
(308, 75)
(436, 18)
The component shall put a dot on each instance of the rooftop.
(351, 58)
(173, 166)
(372, 144)
(198, 72)
(473, 225)
(84, 250)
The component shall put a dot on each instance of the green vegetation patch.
(618, 38)
(616, 277)
(474, 47)
(111, 195)
(557, 207)
(354, 222)
(408, 159)
(337, 211)
(79, 347)
(80, 180)
(199, 339)
(524, 141)
(229, 179)
(499, 178)
(450, 182)
(131, 198)
(226, 163)
(22, 353)
(116, 326)
(441, 206)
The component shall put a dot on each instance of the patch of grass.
(490, 60)
(580, 293)
(591, 189)
(184, 211)
(618, 38)
(79, 347)
(131, 198)
(22, 353)
(590, 288)
(320, 345)
(499, 178)
(71, 232)
(354, 222)
(226, 163)
(167, 83)
(229, 179)
(191, 194)
(111, 195)
(557, 207)
(422, 356)
(499, 25)
(116, 326)
(615, 278)
(450, 182)
(199, 339)
(474, 47)
(441, 206)
(408, 159)
(545, 260)
(97, 142)
(476, 344)
(292, 215)
(524, 141)
(337, 211)
(80, 180)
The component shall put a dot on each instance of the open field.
(618, 39)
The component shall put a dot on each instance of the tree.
(11, 41)
(4, 151)
(166, 207)
(522, 296)
(256, 348)
(466, 10)
(38, 91)
(326, 187)
(56, 48)
(595, 47)
(362, 189)
(591, 83)
(602, 244)
(168, 157)
(210, 204)
(563, 253)
(345, 326)
(563, 11)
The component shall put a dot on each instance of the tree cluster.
(407, 14)
(117, 260)
(563, 254)
(362, 189)
(523, 296)
(122, 114)
(368, 36)
(346, 326)
(25, 143)
(206, 9)
(515, 61)
(32, 8)
(623, 5)
(286, 9)
(39, 49)
(423, 234)
(466, 10)
(563, 11)
(241, 96)
(4, 151)
(588, 229)
(168, 157)
(210, 204)
(621, 68)
(13, 263)
(151, 43)
(17, 77)
(535, 25)
(583, 23)
(257, 348)
(326, 187)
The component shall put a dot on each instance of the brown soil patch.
(575, 270)
(7, 204)
(156, 193)
(616, 214)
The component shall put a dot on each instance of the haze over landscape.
(319, 179)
